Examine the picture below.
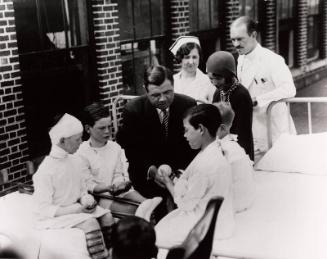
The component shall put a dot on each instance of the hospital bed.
(286, 221)
(288, 217)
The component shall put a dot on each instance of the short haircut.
(94, 112)
(250, 24)
(206, 114)
(226, 112)
(133, 238)
(156, 75)
(185, 50)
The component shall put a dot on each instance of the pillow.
(305, 154)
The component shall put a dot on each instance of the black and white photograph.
(163, 129)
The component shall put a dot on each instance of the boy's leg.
(106, 222)
(94, 238)
(134, 196)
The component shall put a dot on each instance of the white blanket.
(17, 221)
(287, 220)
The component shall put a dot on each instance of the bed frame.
(288, 101)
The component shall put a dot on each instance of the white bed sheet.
(288, 220)
(16, 222)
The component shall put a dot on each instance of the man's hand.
(119, 188)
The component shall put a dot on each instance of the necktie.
(164, 121)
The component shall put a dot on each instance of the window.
(204, 23)
(203, 15)
(56, 62)
(249, 8)
(285, 14)
(313, 29)
(142, 35)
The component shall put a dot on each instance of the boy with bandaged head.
(60, 190)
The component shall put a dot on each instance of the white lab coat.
(200, 88)
(268, 78)
(208, 175)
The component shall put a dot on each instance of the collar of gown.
(57, 152)
(252, 54)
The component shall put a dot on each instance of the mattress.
(287, 220)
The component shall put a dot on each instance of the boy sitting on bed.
(106, 164)
(61, 194)
(241, 164)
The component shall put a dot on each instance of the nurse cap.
(66, 127)
(181, 40)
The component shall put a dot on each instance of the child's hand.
(88, 203)
(89, 208)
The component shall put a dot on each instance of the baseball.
(164, 170)
(87, 200)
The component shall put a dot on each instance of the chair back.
(198, 243)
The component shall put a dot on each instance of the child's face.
(101, 130)
(71, 144)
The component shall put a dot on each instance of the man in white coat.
(267, 77)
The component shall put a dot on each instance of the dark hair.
(251, 25)
(94, 112)
(156, 75)
(133, 237)
(206, 114)
(185, 50)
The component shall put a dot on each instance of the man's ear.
(87, 128)
(254, 34)
(62, 141)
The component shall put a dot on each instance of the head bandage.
(66, 127)
(180, 41)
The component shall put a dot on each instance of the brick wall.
(180, 24)
(269, 22)
(13, 143)
(231, 12)
(324, 29)
(301, 34)
(108, 59)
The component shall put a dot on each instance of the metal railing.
(288, 101)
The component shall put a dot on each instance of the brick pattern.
(13, 142)
(301, 33)
(269, 34)
(180, 24)
(108, 59)
(231, 12)
(324, 30)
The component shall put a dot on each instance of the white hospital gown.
(208, 175)
(59, 182)
(107, 164)
(242, 172)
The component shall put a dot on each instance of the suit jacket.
(241, 103)
(142, 137)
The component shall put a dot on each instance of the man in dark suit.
(152, 130)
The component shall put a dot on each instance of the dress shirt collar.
(160, 113)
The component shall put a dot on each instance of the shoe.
(146, 208)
